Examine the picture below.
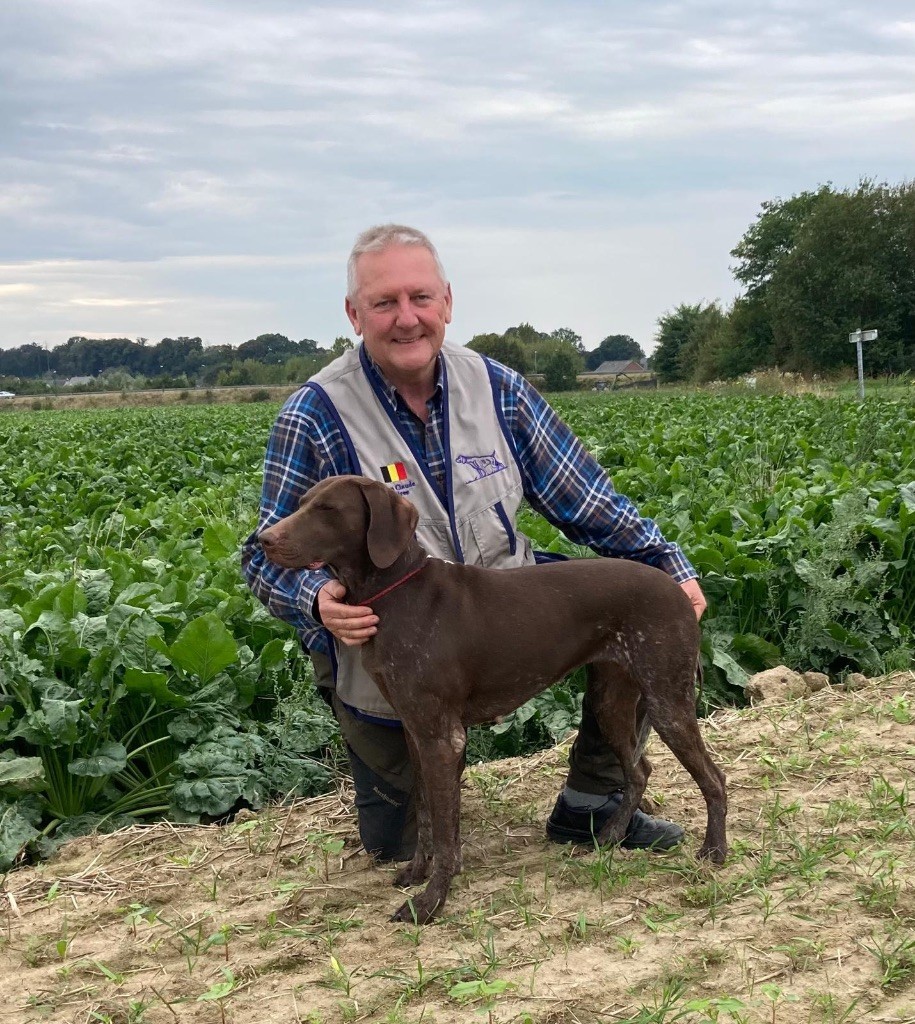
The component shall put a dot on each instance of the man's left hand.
(697, 599)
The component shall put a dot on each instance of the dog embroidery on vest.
(482, 465)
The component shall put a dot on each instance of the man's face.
(401, 308)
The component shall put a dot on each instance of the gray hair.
(380, 237)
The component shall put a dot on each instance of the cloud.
(201, 167)
(119, 303)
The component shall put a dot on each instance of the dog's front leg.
(441, 759)
(417, 870)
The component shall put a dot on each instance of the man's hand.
(694, 592)
(350, 624)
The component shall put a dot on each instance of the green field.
(138, 676)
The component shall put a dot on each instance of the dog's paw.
(713, 852)
(417, 911)
(416, 871)
(613, 832)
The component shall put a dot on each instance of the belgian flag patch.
(393, 472)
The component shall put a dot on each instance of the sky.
(186, 167)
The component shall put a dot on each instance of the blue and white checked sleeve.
(570, 489)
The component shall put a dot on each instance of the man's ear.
(392, 523)
(353, 315)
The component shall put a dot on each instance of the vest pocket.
(494, 536)
(509, 529)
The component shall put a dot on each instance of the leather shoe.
(566, 825)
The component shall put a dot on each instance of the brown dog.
(458, 645)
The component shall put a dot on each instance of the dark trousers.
(383, 776)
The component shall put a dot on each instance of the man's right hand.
(350, 624)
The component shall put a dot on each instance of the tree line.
(120, 363)
(814, 268)
(274, 359)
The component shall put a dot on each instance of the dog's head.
(343, 522)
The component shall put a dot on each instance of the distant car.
(7, 394)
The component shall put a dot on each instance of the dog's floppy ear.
(392, 522)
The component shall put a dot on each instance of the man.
(465, 439)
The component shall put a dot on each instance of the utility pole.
(856, 337)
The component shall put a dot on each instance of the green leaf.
(20, 769)
(133, 647)
(736, 676)
(214, 796)
(220, 540)
(707, 559)
(204, 648)
(109, 759)
(274, 655)
(155, 684)
(55, 723)
(70, 600)
(15, 833)
(763, 651)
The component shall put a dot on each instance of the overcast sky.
(184, 167)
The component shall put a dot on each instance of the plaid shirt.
(562, 481)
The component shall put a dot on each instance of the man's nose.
(406, 315)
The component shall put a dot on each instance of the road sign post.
(856, 338)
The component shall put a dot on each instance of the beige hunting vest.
(474, 522)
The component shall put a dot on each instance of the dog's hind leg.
(440, 757)
(672, 712)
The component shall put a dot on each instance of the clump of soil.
(282, 918)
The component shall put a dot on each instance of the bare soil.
(282, 918)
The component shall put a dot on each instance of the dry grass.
(145, 399)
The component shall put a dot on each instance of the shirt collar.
(390, 391)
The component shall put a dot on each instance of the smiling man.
(466, 440)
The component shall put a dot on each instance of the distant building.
(618, 373)
(75, 382)
(615, 367)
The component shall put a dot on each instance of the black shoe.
(643, 832)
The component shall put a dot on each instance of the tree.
(268, 348)
(567, 337)
(25, 361)
(767, 242)
(526, 334)
(820, 265)
(741, 342)
(559, 372)
(341, 344)
(507, 351)
(675, 331)
(613, 347)
(852, 265)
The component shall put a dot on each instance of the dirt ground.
(281, 918)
